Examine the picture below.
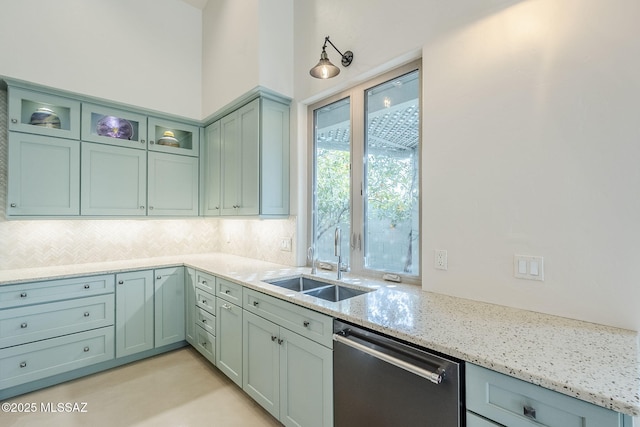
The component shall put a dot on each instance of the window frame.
(357, 143)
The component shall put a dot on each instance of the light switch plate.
(528, 267)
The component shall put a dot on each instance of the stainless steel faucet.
(311, 257)
(337, 250)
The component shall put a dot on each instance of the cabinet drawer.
(29, 362)
(206, 282)
(517, 403)
(474, 420)
(37, 322)
(54, 290)
(206, 320)
(206, 301)
(206, 344)
(229, 291)
(305, 322)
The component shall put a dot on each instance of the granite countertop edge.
(595, 363)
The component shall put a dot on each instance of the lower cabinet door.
(169, 305)
(205, 343)
(229, 339)
(261, 362)
(134, 312)
(306, 382)
(29, 362)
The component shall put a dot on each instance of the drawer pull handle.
(23, 295)
(305, 323)
(273, 338)
(23, 364)
(86, 314)
(23, 325)
(87, 286)
(226, 306)
(255, 303)
(228, 291)
(86, 349)
(529, 412)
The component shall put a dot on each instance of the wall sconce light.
(325, 69)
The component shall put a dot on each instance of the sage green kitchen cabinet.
(172, 185)
(246, 161)
(211, 170)
(169, 307)
(134, 312)
(190, 305)
(112, 126)
(288, 373)
(43, 176)
(229, 339)
(36, 112)
(173, 137)
(509, 401)
(114, 180)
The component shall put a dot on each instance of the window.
(365, 175)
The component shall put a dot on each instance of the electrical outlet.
(285, 244)
(441, 259)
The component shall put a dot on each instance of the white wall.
(530, 140)
(141, 52)
(246, 43)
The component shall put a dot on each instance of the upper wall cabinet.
(114, 127)
(43, 114)
(173, 137)
(246, 161)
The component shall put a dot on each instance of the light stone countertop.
(595, 363)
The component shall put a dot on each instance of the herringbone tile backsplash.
(39, 243)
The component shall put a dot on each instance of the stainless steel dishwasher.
(379, 381)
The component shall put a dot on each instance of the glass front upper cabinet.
(43, 114)
(173, 137)
(114, 127)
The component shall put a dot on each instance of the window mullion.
(357, 185)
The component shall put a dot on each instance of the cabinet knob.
(204, 282)
(217, 207)
(273, 338)
(86, 349)
(87, 286)
(529, 412)
(150, 208)
(204, 344)
(228, 291)
(13, 205)
(204, 301)
(226, 306)
(141, 208)
(159, 277)
(280, 341)
(305, 323)
(151, 142)
(23, 325)
(255, 303)
(23, 295)
(23, 364)
(120, 282)
(204, 320)
(142, 141)
(14, 121)
(86, 314)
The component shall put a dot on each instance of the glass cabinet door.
(173, 137)
(114, 127)
(43, 114)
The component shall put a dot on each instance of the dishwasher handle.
(434, 377)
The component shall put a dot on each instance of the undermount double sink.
(318, 288)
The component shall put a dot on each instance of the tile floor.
(179, 388)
